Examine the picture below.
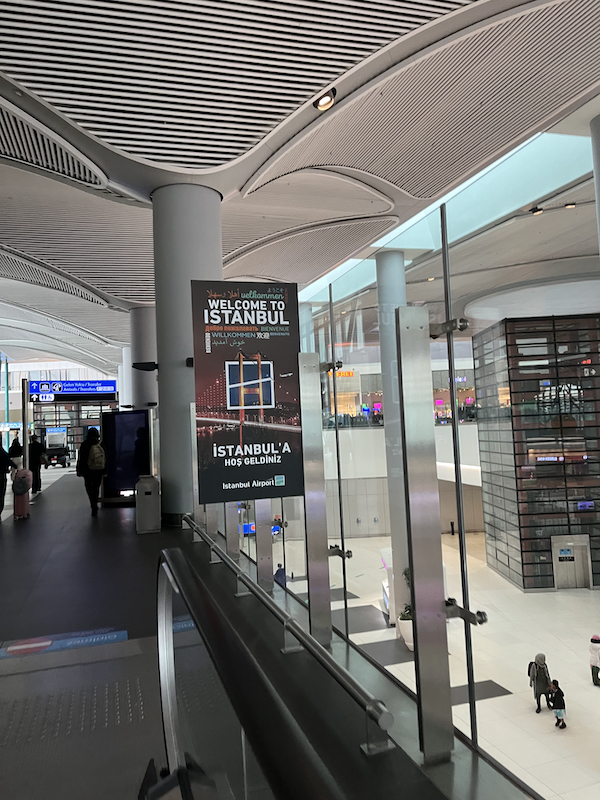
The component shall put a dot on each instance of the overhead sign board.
(72, 387)
(246, 345)
(9, 426)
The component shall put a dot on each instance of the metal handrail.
(374, 708)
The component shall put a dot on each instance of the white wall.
(362, 453)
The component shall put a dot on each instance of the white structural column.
(144, 384)
(124, 377)
(391, 294)
(595, 130)
(187, 246)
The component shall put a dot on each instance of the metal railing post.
(166, 669)
(460, 514)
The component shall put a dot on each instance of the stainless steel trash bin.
(147, 505)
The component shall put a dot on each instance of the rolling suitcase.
(21, 486)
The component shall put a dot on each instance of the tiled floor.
(561, 764)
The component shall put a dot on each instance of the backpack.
(531, 663)
(96, 460)
(22, 482)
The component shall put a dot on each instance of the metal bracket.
(145, 366)
(377, 737)
(328, 366)
(437, 329)
(241, 588)
(290, 643)
(336, 550)
(454, 610)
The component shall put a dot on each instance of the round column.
(125, 371)
(144, 385)
(391, 294)
(595, 131)
(187, 246)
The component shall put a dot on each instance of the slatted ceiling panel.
(557, 234)
(80, 347)
(109, 245)
(482, 91)
(303, 256)
(111, 325)
(88, 352)
(20, 268)
(465, 286)
(194, 83)
(24, 141)
(36, 318)
(106, 244)
(579, 194)
(296, 200)
(58, 347)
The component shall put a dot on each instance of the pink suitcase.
(21, 506)
(23, 478)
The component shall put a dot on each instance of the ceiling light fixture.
(325, 101)
(537, 211)
(569, 205)
(430, 279)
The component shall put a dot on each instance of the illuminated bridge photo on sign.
(250, 384)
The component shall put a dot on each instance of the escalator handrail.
(376, 709)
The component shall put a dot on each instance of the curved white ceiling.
(573, 297)
(220, 93)
(426, 123)
(193, 83)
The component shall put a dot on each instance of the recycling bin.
(147, 505)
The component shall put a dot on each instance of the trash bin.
(147, 505)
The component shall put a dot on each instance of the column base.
(172, 520)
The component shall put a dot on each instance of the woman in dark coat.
(539, 680)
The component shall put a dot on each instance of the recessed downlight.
(326, 100)
(430, 279)
(569, 205)
(537, 211)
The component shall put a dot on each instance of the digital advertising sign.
(246, 345)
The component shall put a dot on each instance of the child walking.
(557, 699)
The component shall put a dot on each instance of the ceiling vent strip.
(27, 141)
(431, 122)
(204, 81)
(20, 268)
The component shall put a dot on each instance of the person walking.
(557, 699)
(595, 659)
(16, 448)
(539, 680)
(91, 465)
(280, 576)
(6, 463)
(37, 452)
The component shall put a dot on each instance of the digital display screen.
(126, 441)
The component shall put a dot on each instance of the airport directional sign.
(46, 388)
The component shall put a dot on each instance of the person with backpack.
(15, 451)
(539, 680)
(91, 465)
(6, 463)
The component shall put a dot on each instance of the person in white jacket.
(595, 659)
